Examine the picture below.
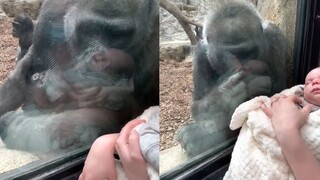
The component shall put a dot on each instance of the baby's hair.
(305, 80)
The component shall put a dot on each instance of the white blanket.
(257, 154)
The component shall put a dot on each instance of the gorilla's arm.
(205, 87)
(276, 57)
(112, 97)
(204, 77)
(22, 28)
(13, 90)
(215, 95)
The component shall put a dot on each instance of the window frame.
(66, 166)
(307, 41)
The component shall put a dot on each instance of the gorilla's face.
(118, 24)
(236, 29)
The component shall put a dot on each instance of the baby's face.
(312, 87)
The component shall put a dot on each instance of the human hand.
(128, 148)
(100, 162)
(286, 117)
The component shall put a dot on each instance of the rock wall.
(13, 7)
(280, 12)
(283, 13)
(3, 15)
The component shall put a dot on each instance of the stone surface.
(12, 159)
(174, 50)
(171, 158)
(14, 7)
(3, 15)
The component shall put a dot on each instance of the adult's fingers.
(73, 95)
(90, 104)
(282, 96)
(78, 87)
(307, 108)
(276, 97)
(295, 99)
(75, 86)
(122, 141)
(266, 110)
(131, 124)
(134, 146)
(81, 177)
(125, 131)
(88, 94)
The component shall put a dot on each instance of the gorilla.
(240, 57)
(22, 28)
(93, 66)
(114, 68)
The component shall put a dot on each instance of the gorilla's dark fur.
(67, 31)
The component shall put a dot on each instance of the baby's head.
(312, 87)
(114, 61)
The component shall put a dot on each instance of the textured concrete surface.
(12, 159)
(171, 158)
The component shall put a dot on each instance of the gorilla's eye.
(250, 52)
(111, 35)
(123, 34)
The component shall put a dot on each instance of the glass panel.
(83, 69)
(245, 50)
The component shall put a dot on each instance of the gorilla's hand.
(222, 100)
(232, 92)
(93, 97)
(201, 136)
(111, 97)
(252, 80)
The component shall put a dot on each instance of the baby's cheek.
(307, 89)
(310, 98)
(306, 93)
